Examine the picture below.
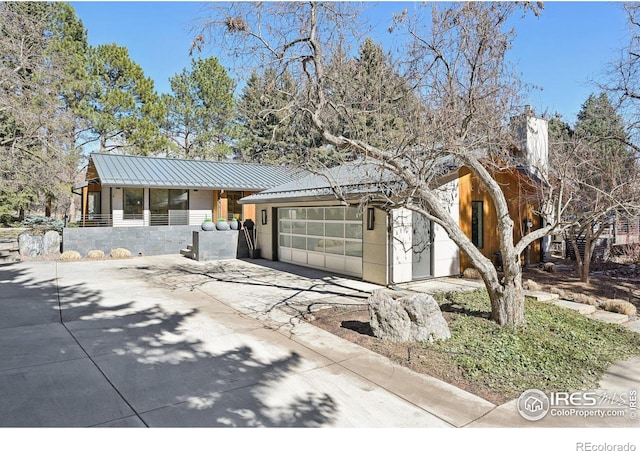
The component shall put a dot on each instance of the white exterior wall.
(446, 255)
(200, 206)
(537, 146)
(375, 247)
(402, 239)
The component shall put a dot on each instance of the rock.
(406, 318)
(51, 243)
(30, 245)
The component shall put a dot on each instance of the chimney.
(533, 134)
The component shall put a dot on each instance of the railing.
(108, 220)
(93, 220)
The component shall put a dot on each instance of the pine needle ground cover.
(555, 350)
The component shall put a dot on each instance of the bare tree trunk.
(507, 298)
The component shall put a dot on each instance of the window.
(234, 209)
(93, 204)
(164, 205)
(477, 223)
(133, 203)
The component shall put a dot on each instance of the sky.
(560, 53)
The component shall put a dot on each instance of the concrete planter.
(207, 226)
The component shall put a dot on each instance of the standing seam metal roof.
(134, 171)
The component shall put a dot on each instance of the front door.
(421, 247)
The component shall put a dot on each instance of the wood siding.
(521, 206)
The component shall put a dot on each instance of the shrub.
(120, 253)
(69, 256)
(471, 273)
(619, 306)
(95, 254)
(531, 285)
(43, 223)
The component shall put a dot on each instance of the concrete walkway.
(170, 342)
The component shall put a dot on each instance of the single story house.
(129, 191)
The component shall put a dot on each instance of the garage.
(328, 238)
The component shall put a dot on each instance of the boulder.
(51, 243)
(406, 317)
(30, 245)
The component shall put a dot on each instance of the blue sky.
(561, 51)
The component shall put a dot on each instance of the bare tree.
(453, 98)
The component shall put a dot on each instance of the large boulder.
(406, 317)
(51, 243)
(30, 245)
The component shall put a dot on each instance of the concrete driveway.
(169, 342)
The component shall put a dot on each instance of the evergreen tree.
(200, 111)
(125, 111)
(41, 44)
(274, 133)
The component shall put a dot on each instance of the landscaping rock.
(30, 245)
(406, 317)
(51, 243)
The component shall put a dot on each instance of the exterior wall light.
(371, 218)
(264, 217)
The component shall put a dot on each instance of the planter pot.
(233, 224)
(222, 225)
(207, 225)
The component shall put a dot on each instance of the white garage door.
(321, 237)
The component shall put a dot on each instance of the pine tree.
(200, 111)
(126, 112)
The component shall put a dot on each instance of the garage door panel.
(322, 237)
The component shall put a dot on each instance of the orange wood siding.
(520, 200)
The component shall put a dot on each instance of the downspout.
(390, 249)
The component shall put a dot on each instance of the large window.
(477, 223)
(133, 203)
(168, 206)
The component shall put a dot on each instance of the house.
(340, 220)
(153, 206)
(129, 191)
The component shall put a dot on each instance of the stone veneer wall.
(152, 240)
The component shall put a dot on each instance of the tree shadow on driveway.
(151, 358)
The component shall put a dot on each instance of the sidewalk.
(169, 342)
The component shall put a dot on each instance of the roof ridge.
(251, 163)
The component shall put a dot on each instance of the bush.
(120, 253)
(69, 256)
(95, 254)
(471, 273)
(531, 285)
(619, 306)
(43, 223)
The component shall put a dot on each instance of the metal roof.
(350, 179)
(134, 171)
